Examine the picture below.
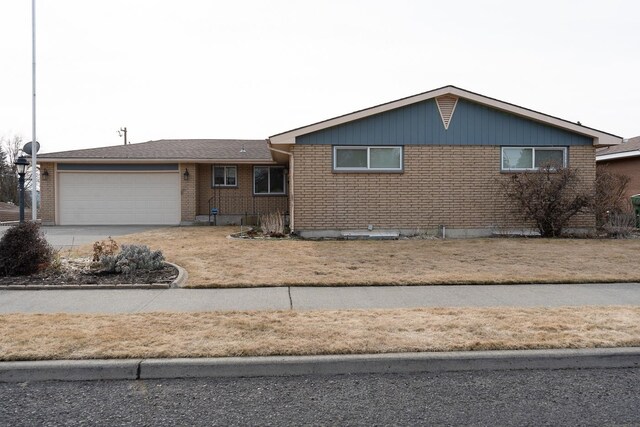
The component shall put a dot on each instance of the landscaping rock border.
(177, 283)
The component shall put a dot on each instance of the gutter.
(291, 190)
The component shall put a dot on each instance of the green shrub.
(24, 250)
(131, 259)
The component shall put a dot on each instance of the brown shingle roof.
(631, 144)
(174, 149)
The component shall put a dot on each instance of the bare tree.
(10, 148)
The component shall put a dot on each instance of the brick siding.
(188, 191)
(629, 167)
(235, 200)
(455, 186)
(47, 194)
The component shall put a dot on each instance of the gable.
(444, 95)
(423, 123)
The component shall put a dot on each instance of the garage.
(134, 196)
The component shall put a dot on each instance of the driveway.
(64, 237)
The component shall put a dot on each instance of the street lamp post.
(21, 166)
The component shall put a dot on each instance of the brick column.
(47, 193)
(188, 192)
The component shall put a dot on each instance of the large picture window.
(269, 180)
(367, 158)
(225, 176)
(533, 158)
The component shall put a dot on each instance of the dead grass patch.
(213, 260)
(222, 334)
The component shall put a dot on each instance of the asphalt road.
(544, 397)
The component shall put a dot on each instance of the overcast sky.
(250, 69)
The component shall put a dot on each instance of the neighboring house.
(420, 163)
(623, 159)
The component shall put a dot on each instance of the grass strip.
(263, 333)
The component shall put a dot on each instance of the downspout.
(291, 191)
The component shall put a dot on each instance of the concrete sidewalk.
(312, 298)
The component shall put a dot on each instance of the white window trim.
(368, 148)
(269, 193)
(533, 157)
(213, 175)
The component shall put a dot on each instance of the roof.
(629, 148)
(600, 138)
(237, 150)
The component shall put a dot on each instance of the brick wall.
(47, 194)
(235, 200)
(629, 167)
(456, 186)
(188, 192)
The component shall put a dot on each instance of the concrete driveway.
(67, 236)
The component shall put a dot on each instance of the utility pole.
(121, 131)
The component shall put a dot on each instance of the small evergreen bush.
(24, 250)
(131, 259)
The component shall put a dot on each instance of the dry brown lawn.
(213, 260)
(163, 335)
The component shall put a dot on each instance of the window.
(225, 176)
(532, 158)
(367, 158)
(269, 180)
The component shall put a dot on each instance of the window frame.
(368, 168)
(533, 167)
(225, 185)
(269, 193)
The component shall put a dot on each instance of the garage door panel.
(118, 198)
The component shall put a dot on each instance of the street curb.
(277, 366)
(179, 281)
(69, 370)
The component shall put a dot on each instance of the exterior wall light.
(45, 175)
(21, 167)
(186, 174)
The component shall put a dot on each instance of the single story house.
(623, 159)
(420, 163)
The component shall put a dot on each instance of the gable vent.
(446, 106)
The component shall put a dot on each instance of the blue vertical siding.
(420, 124)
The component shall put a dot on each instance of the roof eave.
(615, 156)
(154, 161)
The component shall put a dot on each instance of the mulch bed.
(78, 272)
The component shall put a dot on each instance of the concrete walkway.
(311, 298)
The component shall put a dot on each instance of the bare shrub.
(549, 197)
(272, 224)
(104, 247)
(620, 224)
(610, 195)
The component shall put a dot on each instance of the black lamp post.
(21, 167)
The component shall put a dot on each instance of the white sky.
(250, 69)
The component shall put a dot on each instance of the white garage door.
(100, 198)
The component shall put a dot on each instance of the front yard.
(214, 260)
